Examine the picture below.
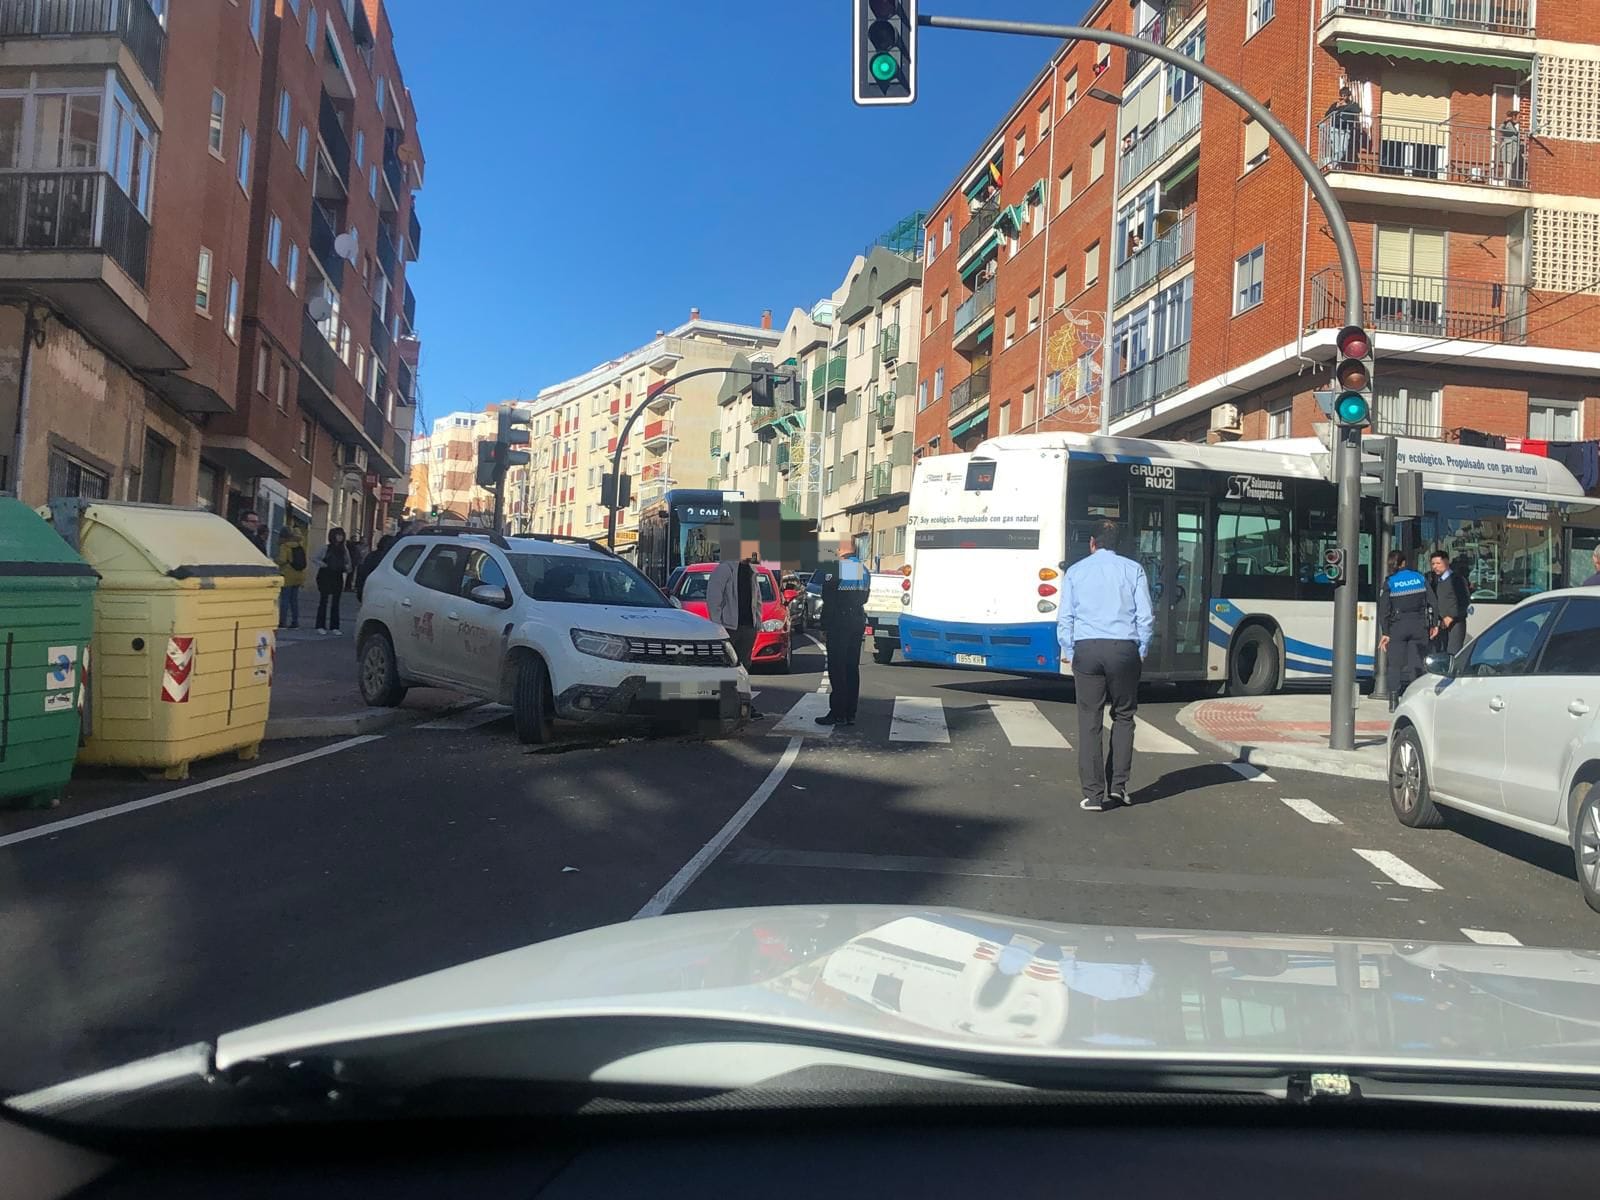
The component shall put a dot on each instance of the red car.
(772, 648)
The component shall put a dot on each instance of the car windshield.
(576, 579)
(692, 586)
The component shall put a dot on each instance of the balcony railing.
(316, 355)
(382, 343)
(333, 137)
(413, 235)
(405, 383)
(1150, 381)
(372, 421)
(1445, 152)
(658, 433)
(716, 442)
(1484, 16)
(884, 411)
(1148, 262)
(780, 456)
(83, 210)
(880, 480)
(394, 173)
(970, 390)
(134, 21)
(388, 257)
(827, 379)
(409, 308)
(974, 308)
(402, 459)
(889, 343)
(323, 232)
(1162, 137)
(1427, 306)
(979, 224)
(1160, 28)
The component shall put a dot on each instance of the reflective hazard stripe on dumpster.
(179, 667)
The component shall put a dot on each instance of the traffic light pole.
(627, 426)
(1347, 452)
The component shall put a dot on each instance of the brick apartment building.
(1128, 252)
(176, 173)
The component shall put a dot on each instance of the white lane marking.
(1251, 774)
(1399, 870)
(802, 718)
(471, 719)
(1026, 727)
(1490, 937)
(691, 870)
(193, 789)
(1150, 740)
(918, 719)
(1314, 813)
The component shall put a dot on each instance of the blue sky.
(594, 170)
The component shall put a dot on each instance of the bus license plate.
(971, 660)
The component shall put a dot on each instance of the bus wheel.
(1253, 663)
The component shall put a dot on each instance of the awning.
(1183, 172)
(970, 422)
(987, 243)
(1468, 58)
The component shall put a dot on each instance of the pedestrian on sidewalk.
(1104, 626)
(251, 526)
(333, 564)
(1405, 623)
(844, 626)
(1447, 592)
(358, 552)
(379, 553)
(292, 564)
(733, 597)
(1594, 580)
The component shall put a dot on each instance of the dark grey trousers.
(1105, 671)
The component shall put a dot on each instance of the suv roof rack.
(568, 539)
(459, 531)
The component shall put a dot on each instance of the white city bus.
(1231, 537)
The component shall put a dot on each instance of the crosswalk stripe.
(1249, 773)
(918, 719)
(802, 717)
(1399, 870)
(1026, 727)
(1314, 813)
(1490, 937)
(471, 719)
(1147, 739)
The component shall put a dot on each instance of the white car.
(1507, 729)
(553, 627)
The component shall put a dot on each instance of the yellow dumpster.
(184, 634)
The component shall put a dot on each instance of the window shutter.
(1414, 96)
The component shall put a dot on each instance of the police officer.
(844, 619)
(1405, 619)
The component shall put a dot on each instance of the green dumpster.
(46, 615)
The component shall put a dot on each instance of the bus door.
(1169, 541)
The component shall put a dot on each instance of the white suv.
(553, 627)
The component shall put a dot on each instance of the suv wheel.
(532, 705)
(378, 673)
(1585, 810)
(1408, 783)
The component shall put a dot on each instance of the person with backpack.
(292, 564)
(333, 565)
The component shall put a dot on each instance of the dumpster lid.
(183, 543)
(28, 546)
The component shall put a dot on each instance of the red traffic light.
(1353, 342)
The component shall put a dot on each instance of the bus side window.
(1254, 557)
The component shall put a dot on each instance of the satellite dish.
(347, 245)
(318, 308)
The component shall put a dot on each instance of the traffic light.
(1352, 406)
(513, 432)
(613, 497)
(1387, 451)
(760, 388)
(488, 464)
(885, 39)
(1333, 560)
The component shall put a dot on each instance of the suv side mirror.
(675, 602)
(1437, 664)
(490, 593)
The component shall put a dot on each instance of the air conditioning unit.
(1225, 418)
(353, 456)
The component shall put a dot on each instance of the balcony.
(405, 383)
(1427, 306)
(1422, 163)
(716, 442)
(317, 357)
(979, 224)
(74, 211)
(884, 411)
(970, 313)
(827, 380)
(372, 422)
(662, 354)
(780, 456)
(409, 308)
(323, 233)
(880, 480)
(1166, 135)
(382, 343)
(1160, 28)
(971, 390)
(658, 435)
(1148, 262)
(388, 256)
(1504, 18)
(889, 344)
(413, 235)
(132, 22)
(660, 399)
(1150, 381)
(334, 140)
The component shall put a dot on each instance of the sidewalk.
(314, 691)
(1291, 732)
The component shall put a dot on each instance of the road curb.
(353, 724)
(1288, 758)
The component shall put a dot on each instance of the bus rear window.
(980, 475)
(977, 539)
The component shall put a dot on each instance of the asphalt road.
(329, 868)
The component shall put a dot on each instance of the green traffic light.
(883, 67)
(1351, 409)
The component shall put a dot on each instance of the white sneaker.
(335, 632)
(322, 633)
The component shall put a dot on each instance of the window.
(442, 570)
(1091, 264)
(361, 369)
(230, 316)
(1408, 409)
(922, 394)
(861, 339)
(1064, 190)
(1255, 144)
(274, 239)
(407, 558)
(344, 343)
(1503, 559)
(1507, 646)
(1044, 118)
(1058, 289)
(263, 363)
(1102, 60)
(1554, 420)
(372, 181)
(132, 150)
(949, 225)
(1028, 394)
(1249, 280)
(311, 29)
(283, 388)
(1088, 374)
(156, 470)
(938, 385)
(944, 307)
(69, 477)
(1279, 418)
(1097, 158)
(1257, 14)
(255, 20)
(1020, 150)
(243, 174)
(382, 92)
(827, 481)
(219, 115)
(899, 539)
(361, 148)
(1255, 554)
(1053, 398)
(283, 114)
(1010, 329)
(294, 7)
(1033, 312)
(1069, 90)
(1005, 418)
(1574, 644)
(292, 268)
(302, 150)
(931, 245)
(307, 440)
(202, 283)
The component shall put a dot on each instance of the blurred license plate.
(971, 660)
